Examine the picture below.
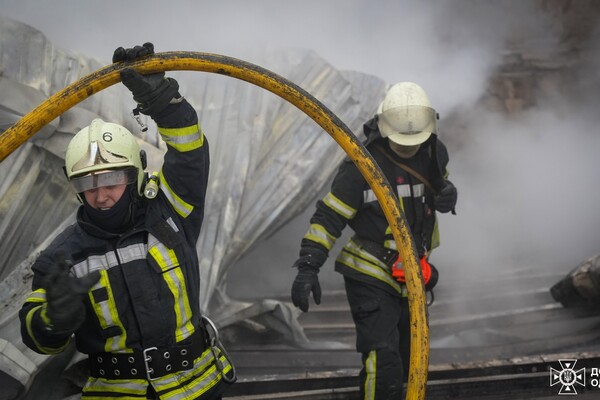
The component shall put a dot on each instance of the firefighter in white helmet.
(402, 137)
(123, 281)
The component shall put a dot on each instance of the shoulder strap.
(406, 168)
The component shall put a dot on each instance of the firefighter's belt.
(386, 256)
(150, 363)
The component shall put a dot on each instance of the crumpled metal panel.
(268, 159)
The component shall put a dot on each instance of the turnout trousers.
(382, 337)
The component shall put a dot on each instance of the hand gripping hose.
(58, 103)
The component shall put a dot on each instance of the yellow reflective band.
(44, 315)
(371, 269)
(108, 316)
(367, 269)
(355, 249)
(117, 387)
(371, 375)
(37, 296)
(173, 276)
(184, 209)
(435, 236)
(164, 256)
(207, 381)
(183, 139)
(183, 311)
(28, 324)
(178, 385)
(339, 206)
(317, 233)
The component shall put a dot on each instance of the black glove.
(130, 54)
(445, 200)
(152, 92)
(64, 294)
(307, 279)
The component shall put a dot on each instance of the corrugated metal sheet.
(268, 159)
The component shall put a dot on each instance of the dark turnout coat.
(352, 202)
(148, 293)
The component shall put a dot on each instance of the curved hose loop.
(58, 103)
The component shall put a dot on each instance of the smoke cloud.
(528, 184)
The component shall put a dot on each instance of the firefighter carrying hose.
(123, 281)
(402, 138)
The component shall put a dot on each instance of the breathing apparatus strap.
(406, 168)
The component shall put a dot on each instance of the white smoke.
(528, 192)
(527, 185)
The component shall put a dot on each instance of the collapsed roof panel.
(268, 159)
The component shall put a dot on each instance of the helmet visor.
(409, 120)
(103, 179)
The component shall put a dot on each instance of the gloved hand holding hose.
(152, 92)
(65, 310)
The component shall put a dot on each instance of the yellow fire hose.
(61, 101)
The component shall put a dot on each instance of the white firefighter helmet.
(405, 115)
(103, 154)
